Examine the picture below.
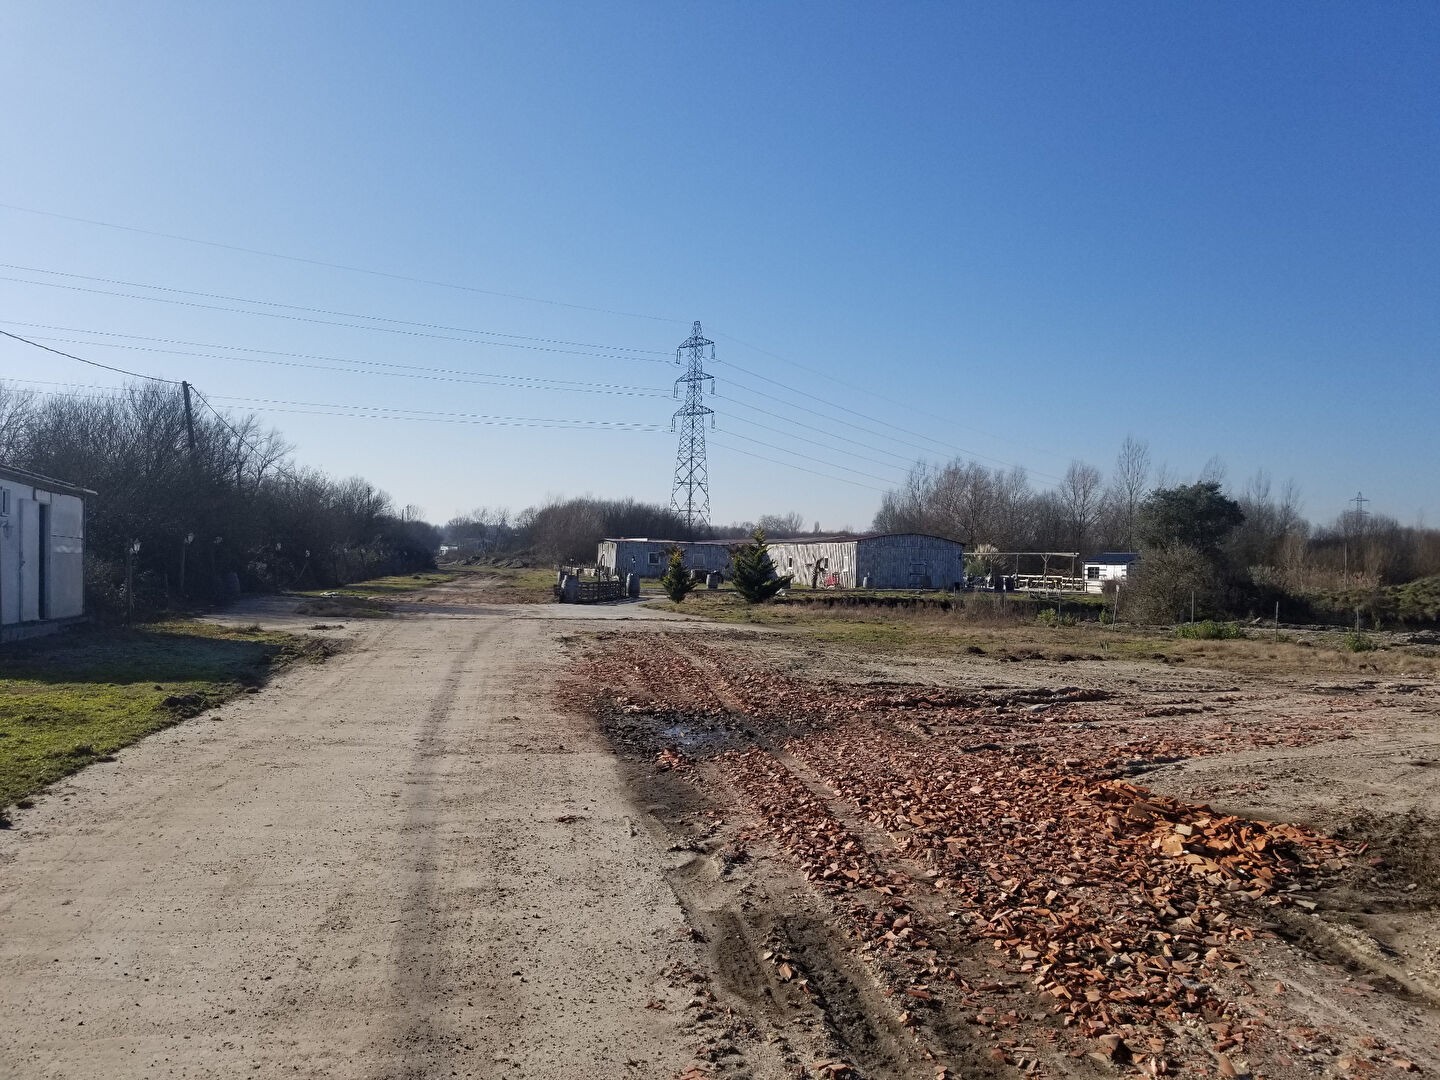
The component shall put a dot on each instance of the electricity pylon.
(690, 497)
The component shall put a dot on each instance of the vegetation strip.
(71, 700)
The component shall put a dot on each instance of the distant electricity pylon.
(690, 496)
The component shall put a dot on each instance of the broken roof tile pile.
(955, 819)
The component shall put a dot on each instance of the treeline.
(1240, 548)
(569, 530)
(197, 522)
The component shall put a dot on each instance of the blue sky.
(1020, 231)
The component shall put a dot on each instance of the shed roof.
(661, 540)
(1113, 558)
(49, 483)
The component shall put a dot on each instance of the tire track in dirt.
(861, 1002)
(418, 949)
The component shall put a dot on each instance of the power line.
(92, 363)
(381, 412)
(800, 468)
(816, 442)
(335, 266)
(824, 416)
(520, 382)
(414, 333)
(414, 371)
(613, 355)
(810, 457)
(91, 389)
(425, 334)
(391, 412)
(526, 383)
(875, 420)
(364, 412)
(326, 311)
(830, 376)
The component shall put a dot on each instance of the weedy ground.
(1016, 633)
(393, 585)
(73, 699)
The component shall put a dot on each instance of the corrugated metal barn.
(648, 558)
(42, 552)
(882, 561)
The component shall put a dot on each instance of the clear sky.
(1017, 230)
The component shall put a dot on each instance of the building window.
(4, 502)
(654, 558)
(1092, 573)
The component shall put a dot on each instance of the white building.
(1108, 566)
(42, 553)
(881, 561)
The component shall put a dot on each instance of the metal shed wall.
(635, 556)
(910, 561)
(799, 559)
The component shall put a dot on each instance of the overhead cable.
(92, 363)
(413, 371)
(322, 322)
(336, 266)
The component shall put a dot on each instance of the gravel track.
(402, 863)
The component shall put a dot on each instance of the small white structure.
(1108, 566)
(879, 561)
(42, 553)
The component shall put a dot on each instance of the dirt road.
(402, 863)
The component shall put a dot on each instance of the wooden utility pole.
(189, 418)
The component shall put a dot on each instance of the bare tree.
(1132, 470)
(1214, 471)
(778, 525)
(16, 415)
(1080, 493)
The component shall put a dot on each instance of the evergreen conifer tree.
(677, 581)
(752, 571)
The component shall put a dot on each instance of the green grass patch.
(1210, 630)
(73, 699)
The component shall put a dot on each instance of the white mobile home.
(42, 553)
(1108, 566)
(881, 561)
